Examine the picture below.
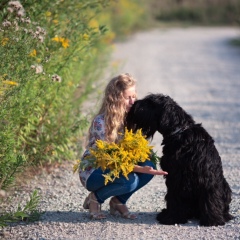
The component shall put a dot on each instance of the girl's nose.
(131, 100)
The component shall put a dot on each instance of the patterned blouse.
(97, 132)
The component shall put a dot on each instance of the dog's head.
(157, 112)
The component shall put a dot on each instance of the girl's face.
(129, 97)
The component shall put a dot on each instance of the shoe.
(114, 210)
(94, 214)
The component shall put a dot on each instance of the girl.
(120, 94)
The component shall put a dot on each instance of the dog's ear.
(142, 116)
(172, 115)
(165, 113)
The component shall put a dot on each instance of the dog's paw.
(167, 219)
(211, 222)
(228, 217)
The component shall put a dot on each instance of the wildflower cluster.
(63, 41)
(23, 38)
(56, 78)
(122, 157)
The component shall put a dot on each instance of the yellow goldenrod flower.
(48, 14)
(109, 37)
(70, 83)
(33, 53)
(76, 166)
(57, 39)
(9, 82)
(63, 41)
(55, 21)
(121, 157)
(85, 37)
(4, 41)
(94, 24)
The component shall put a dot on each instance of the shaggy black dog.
(196, 187)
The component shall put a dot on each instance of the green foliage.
(200, 11)
(183, 14)
(154, 158)
(50, 56)
(127, 16)
(27, 213)
(51, 53)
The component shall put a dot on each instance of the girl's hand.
(148, 170)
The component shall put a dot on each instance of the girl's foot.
(94, 207)
(118, 207)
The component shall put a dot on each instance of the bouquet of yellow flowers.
(121, 157)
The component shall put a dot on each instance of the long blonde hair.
(113, 106)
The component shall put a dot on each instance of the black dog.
(196, 187)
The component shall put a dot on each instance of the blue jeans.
(121, 187)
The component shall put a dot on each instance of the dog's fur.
(196, 187)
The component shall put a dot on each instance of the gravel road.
(201, 71)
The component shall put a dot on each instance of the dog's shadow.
(83, 217)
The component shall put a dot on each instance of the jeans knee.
(132, 182)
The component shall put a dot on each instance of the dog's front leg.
(177, 210)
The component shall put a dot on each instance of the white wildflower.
(15, 4)
(41, 38)
(56, 78)
(20, 13)
(9, 9)
(39, 69)
(27, 20)
(6, 23)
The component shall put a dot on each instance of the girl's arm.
(148, 170)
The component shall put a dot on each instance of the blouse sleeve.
(97, 131)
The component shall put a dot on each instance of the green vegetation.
(204, 12)
(47, 56)
(28, 213)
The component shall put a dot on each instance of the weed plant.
(28, 213)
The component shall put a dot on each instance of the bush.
(50, 56)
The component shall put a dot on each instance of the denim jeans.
(121, 187)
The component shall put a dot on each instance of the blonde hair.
(113, 105)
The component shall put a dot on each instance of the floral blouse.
(97, 132)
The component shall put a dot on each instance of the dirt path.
(200, 70)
